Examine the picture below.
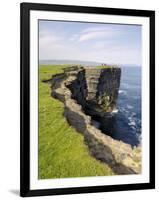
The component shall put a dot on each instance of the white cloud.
(49, 42)
(98, 33)
(101, 44)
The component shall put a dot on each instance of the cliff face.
(103, 86)
(76, 90)
(96, 89)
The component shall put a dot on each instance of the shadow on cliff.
(97, 150)
(105, 155)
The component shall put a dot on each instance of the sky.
(104, 43)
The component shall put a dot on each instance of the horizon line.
(101, 62)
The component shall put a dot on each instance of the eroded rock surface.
(95, 89)
(75, 89)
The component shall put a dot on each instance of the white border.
(86, 181)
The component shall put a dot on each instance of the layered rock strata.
(121, 157)
(96, 89)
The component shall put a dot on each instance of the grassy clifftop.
(62, 152)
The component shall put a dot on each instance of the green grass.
(62, 152)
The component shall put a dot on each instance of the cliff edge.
(95, 91)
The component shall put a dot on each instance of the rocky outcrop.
(71, 88)
(96, 89)
(103, 86)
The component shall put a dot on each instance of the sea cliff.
(88, 92)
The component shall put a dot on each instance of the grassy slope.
(62, 152)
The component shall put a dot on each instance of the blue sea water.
(126, 123)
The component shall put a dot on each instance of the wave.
(132, 123)
(122, 92)
(115, 111)
(129, 106)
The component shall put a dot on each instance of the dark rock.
(96, 89)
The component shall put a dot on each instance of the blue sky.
(106, 43)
